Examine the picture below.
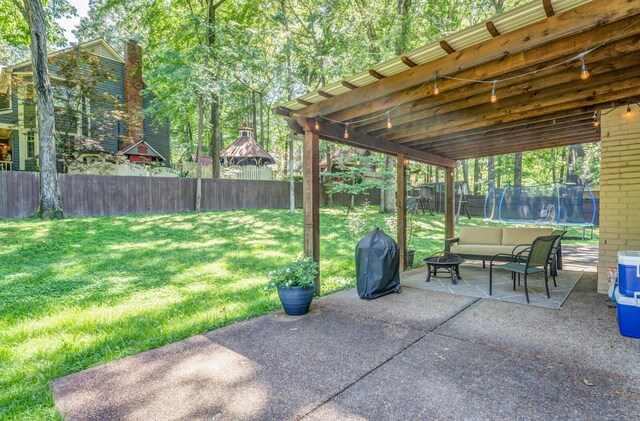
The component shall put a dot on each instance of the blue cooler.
(628, 314)
(629, 272)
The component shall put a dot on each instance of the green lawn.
(80, 292)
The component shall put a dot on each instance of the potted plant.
(296, 285)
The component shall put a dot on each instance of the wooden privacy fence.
(95, 195)
(99, 195)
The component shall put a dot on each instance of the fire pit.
(445, 261)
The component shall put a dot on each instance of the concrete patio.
(414, 355)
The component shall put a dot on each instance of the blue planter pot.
(296, 300)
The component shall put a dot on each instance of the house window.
(63, 98)
(5, 102)
(31, 144)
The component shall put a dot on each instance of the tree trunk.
(216, 135)
(292, 180)
(476, 176)
(517, 169)
(292, 187)
(404, 9)
(198, 198)
(329, 170)
(262, 142)
(388, 162)
(465, 172)
(575, 152)
(491, 172)
(254, 114)
(50, 204)
(563, 160)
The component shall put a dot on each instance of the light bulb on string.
(584, 72)
(628, 110)
(596, 122)
(436, 90)
(494, 97)
(389, 125)
(346, 131)
(317, 125)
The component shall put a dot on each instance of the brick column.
(619, 188)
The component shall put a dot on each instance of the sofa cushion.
(482, 250)
(480, 235)
(515, 236)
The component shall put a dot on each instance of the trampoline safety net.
(554, 205)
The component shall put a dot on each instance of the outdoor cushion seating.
(482, 243)
(535, 260)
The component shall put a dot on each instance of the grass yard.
(81, 292)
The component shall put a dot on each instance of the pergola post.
(449, 202)
(311, 199)
(401, 209)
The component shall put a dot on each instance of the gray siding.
(15, 150)
(12, 117)
(104, 128)
(156, 132)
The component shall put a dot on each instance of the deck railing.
(6, 166)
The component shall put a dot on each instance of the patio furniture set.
(525, 251)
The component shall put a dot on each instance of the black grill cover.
(377, 265)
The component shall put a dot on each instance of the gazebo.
(246, 151)
(536, 77)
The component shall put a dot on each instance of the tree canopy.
(256, 54)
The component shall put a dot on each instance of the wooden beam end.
(446, 47)
(348, 85)
(407, 61)
(376, 74)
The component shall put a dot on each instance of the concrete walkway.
(414, 355)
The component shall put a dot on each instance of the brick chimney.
(133, 93)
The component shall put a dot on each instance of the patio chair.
(556, 254)
(536, 260)
(554, 258)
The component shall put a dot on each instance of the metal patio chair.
(535, 260)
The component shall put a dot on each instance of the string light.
(494, 97)
(584, 72)
(596, 122)
(628, 109)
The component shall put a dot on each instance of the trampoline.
(562, 205)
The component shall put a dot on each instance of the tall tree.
(216, 136)
(50, 203)
(491, 172)
(476, 176)
(517, 169)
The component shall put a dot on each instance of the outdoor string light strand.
(584, 75)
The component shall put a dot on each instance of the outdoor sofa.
(482, 243)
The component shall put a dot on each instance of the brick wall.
(619, 188)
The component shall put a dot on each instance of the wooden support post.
(401, 209)
(449, 206)
(311, 199)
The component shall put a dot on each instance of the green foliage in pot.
(301, 272)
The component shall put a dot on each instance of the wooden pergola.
(534, 52)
